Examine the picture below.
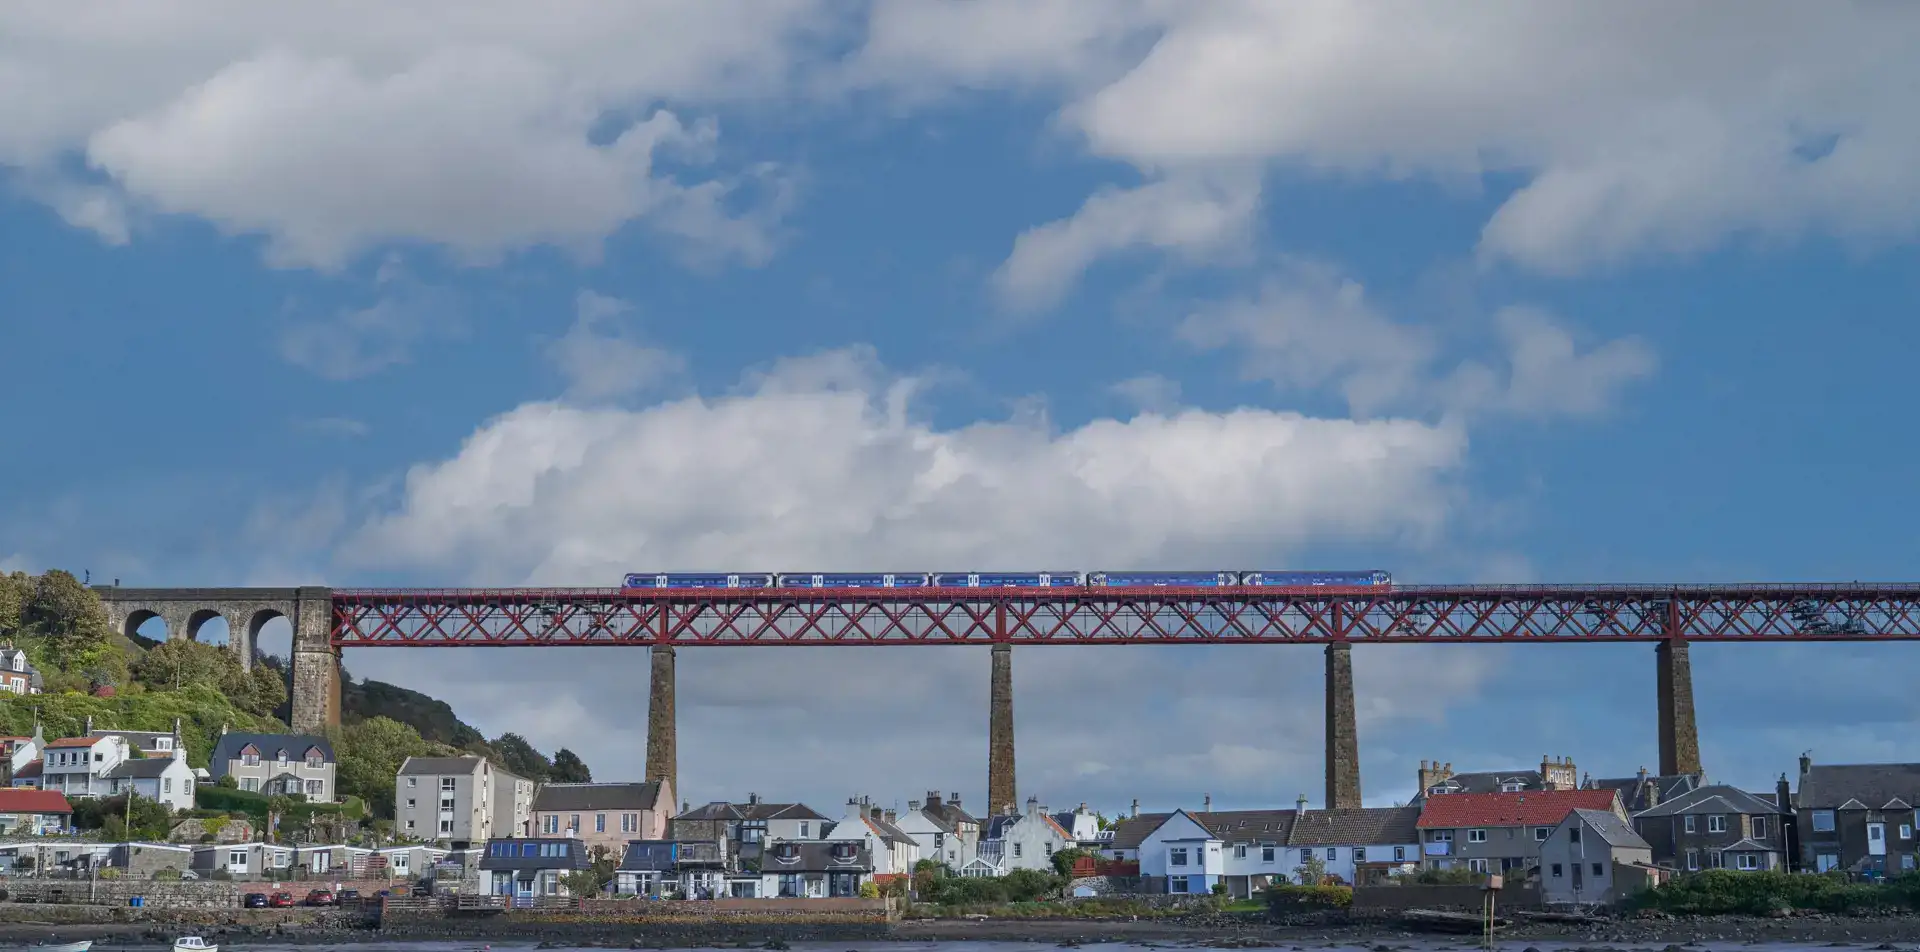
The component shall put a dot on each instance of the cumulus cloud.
(481, 127)
(1151, 393)
(601, 357)
(1310, 327)
(1657, 131)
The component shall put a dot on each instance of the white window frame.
(1748, 861)
(1906, 831)
(1693, 859)
(1476, 836)
(1239, 851)
(1689, 823)
(1825, 862)
(1823, 821)
(1476, 865)
(1716, 823)
(1540, 833)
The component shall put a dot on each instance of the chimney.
(1136, 807)
(1206, 803)
(89, 725)
(753, 799)
(1649, 791)
(891, 816)
(1806, 764)
(1033, 805)
(1782, 794)
(1433, 773)
(954, 798)
(1300, 806)
(933, 799)
(913, 806)
(875, 812)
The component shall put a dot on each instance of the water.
(1425, 944)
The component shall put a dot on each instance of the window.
(447, 783)
(1693, 859)
(1332, 854)
(282, 755)
(627, 824)
(1016, 849)
(1306, 856)
(1573, 834)
(1556, 871)
(409, 826)
(1749, 861)
(599, 823)
(1876, 833)
(573, 822)
(1176, 857)
(250, 784)
(1512, 786)
(553, 823)
(1689, 823)
(1476, 836)
(1476, 865)
(1177, 884)
(1399, 854)
(1442, 836)
(446, 826)
(803, 828)
(409, 803)
(1541, 833)
(315, 759)
(1823, 821)
(1359, 854)
(166, 784)
(1906, 860)
(413, 781)
(313, 788)
(236, 857)
(1717, 823)
(1826, 861)
(1239, 851)
(1599, 871)
(1759, 828)
(1716, 859)
(1266, 854)
(251, 758)
(1906, 831)
(446, 804)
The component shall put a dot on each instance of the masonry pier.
(1679, 734)
(1343, 733)
(1001, 794)
(663, 745)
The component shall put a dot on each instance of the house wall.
(512, 799)
(1849, 844)
(471, 813)
(1204, 863)
(1339, 860)
(1505, 847)
(1585, 869)
(1031, 843)
(1670, 840)
(268, 768)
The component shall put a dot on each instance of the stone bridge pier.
(316, 662)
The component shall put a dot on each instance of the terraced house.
(1716, 827)
(1246, 850)
(606, 815)
(1858, 817)
(1498, 832)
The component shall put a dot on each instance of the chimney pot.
(913, 806)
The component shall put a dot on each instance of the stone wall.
(119, 892)
(1386, 900)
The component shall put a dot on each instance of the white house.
(1182, 853)
(893, 851)
(17, 674)
(78, 766)
(814, 870)
(1013, 841)
(945, 833)
(1083, 825)
(166, 779)
(148, 743)
(1579, 859)
(21, 751)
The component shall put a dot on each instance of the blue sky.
(496, 298)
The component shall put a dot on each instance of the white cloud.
(483, 126)
(359, 342)
(1308, 327)
(1188, 217)
(1151, 393)
(343, 427)
(1665, 131)
(600, 357)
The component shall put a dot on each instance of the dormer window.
(164, 743)
(250, 756)
(19, 661)
(315, 758)
(281, 755)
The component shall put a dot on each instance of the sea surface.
(1448, 944)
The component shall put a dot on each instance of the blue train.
(850, 580)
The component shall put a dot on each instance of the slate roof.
(145, 769)
(1609, 827)
(563, 797)
(1750, 845)
(1633, 791)
(1831, 786)
(950, 813)
(888, 832)
(1713, 799)
(670, 855)
(1248, 826)
(228, 746)
(576, 857)
(814, 857)
(722, 810)
(23, 800)
(1357, 827)
(437, 765)
(142, 739)
(1527, 808)
(1128, 833)
(1488, 781)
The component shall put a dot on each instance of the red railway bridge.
(1670, 617)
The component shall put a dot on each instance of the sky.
(470, 292)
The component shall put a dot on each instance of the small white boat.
(193, 943)
(81, 946)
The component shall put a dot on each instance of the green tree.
(520, 757)
(369, 755)
(582, 883)
(1063, 860)
(569, 768)
(1312, 870)
(151, 819)
(16, 591)
(184, 663)
(1030, 885)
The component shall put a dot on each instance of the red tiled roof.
(33, 768)
(23, 800)
(1526, 808)
(74, 742)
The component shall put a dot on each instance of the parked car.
(321, 897)
(423, 888)
(281, 900)
(254, 901)
(347, 897)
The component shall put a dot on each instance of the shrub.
(1725, 892)
(166, 875)
(1285, 897)
(869, 890)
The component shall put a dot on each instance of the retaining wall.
(1384, 900)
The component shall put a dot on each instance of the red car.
(280, 900)
(320, 897)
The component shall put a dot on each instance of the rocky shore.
(1707, 934)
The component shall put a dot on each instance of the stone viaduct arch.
(316, 663)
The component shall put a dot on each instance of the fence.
(1088, 866)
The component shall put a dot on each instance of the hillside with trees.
(90, 671)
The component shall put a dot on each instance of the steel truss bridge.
(368, 618)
